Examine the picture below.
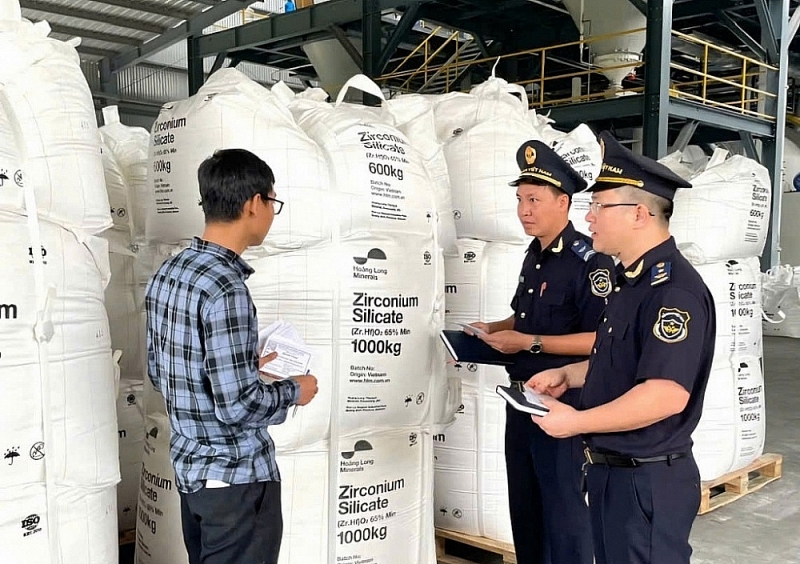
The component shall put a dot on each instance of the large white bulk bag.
(382, 498)
(726, 212)
(687, 163)
(482, 161)
(125, 157)
(471, 491)
(231, 111)
(83, 528)
(731, 431)
(581, 150)
(369, 303)
(470, 486)
(380, 179)
(781, 301)
(46, 105)
(413, 115)
(159, 535)
(304, 501)
(130, 417)
(125, 308)
(736, 288)
(482, 132)
(492, 100)
(72, 384)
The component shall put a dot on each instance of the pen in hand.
(294, 411)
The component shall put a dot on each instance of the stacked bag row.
(354, 264)
(480, 132)
(720, 225)
(57, 371)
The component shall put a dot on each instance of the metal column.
(656, 77)
(371, 38)
(194, 66)
(774, 32)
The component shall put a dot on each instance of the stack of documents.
(294, 356)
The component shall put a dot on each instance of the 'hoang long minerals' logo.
(373, 254)
(359, 445)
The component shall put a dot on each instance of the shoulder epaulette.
(660, 273)
(583, 249)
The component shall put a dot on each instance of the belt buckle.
(518, 385)
(588, 454)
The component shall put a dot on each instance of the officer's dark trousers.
(549, 517)
(240, 524)
(643, 515)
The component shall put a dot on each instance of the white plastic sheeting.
(231, 111)
(726, 212)
(47, 119)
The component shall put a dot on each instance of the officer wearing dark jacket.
(644, 383)
(558, 302)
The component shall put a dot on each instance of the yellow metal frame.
(696, 90)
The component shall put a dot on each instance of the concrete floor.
(764, 527)
(760, 528)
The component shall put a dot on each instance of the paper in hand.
(294, 356)
(471, 328)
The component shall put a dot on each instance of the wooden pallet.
(127, 537)
(496, 547)
(734, 485)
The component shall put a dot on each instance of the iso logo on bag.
(31, 524)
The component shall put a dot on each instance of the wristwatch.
(536, 346)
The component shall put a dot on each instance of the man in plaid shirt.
(202, 340)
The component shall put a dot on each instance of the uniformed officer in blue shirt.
(644, 383)
(557, 305)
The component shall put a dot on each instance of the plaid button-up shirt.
(202, 340)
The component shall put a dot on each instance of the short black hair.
(228, 179)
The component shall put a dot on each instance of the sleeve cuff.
(289, 391)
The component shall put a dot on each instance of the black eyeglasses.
(595, 207)
(278, 204)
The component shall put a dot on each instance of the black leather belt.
(517, 385)
(627, 461)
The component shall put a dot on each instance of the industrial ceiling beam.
(150, 8)
(734, 27)
(316, 18)
(96, 35)
(640, 5)
(90, 15)
(193, 26)
(794, 24)
(94, 51)
(347, 45)
(768, 31)
(402, 29)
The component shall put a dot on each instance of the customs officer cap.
(622, 167)
(539, 164)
